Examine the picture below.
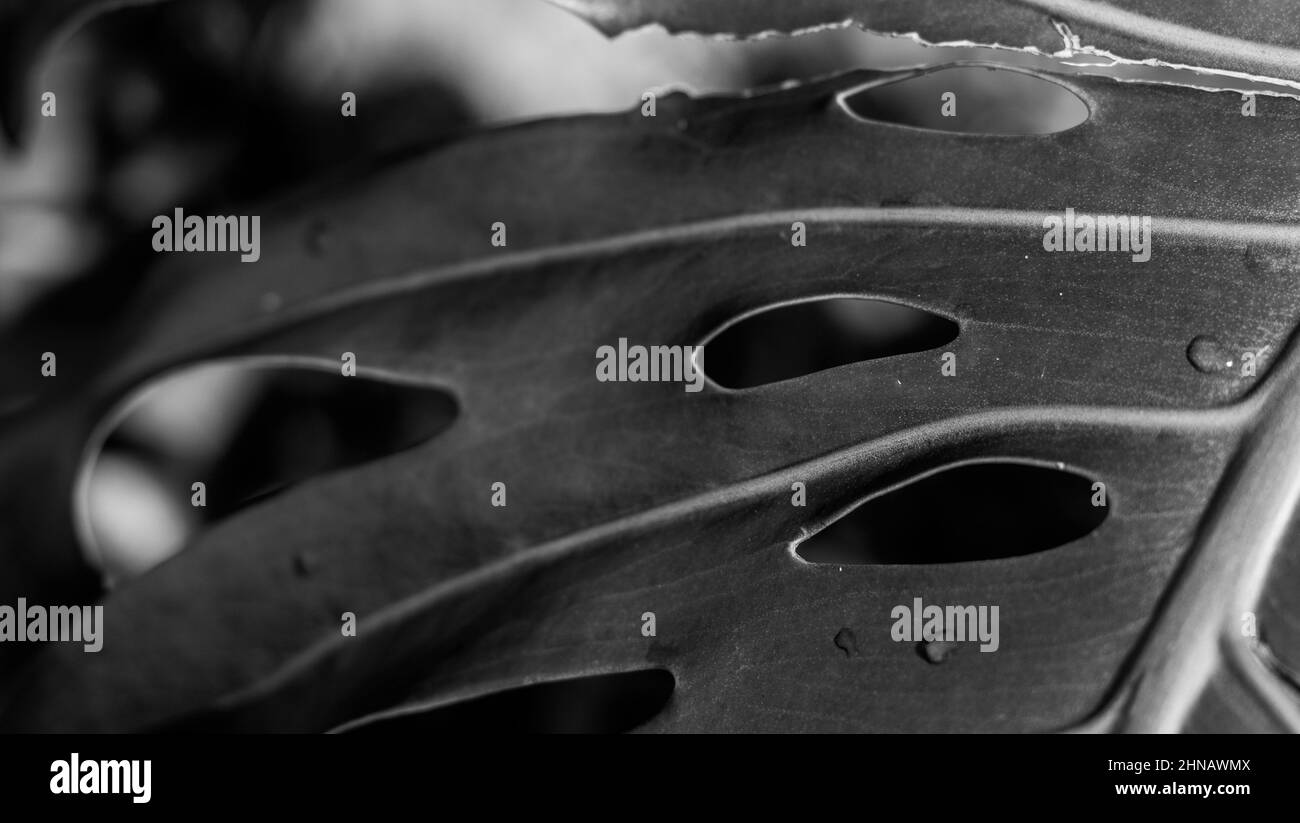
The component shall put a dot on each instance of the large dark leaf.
(625, 498)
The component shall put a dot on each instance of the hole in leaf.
(596, 704)
(971, 100)
(972, 511)
(794, 339)
(245, 430)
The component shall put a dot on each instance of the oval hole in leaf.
(791, 340)
(971, 511)
(594, 704)
(246, 430)
(983, 101)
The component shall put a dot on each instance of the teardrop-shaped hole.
(971, 511)
(242, 429)
(594, 704)
(971, 100)
(793, 339)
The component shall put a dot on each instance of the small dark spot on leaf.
(304, 563)
(847, 642)
(319, 238)
(660, 653)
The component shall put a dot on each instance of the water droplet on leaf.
(1208, 355)
(318, 237)
(936, 651)
(270, 302)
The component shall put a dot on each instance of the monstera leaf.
(1262, 40)
(703, 511)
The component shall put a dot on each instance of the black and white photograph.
(479, 368)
